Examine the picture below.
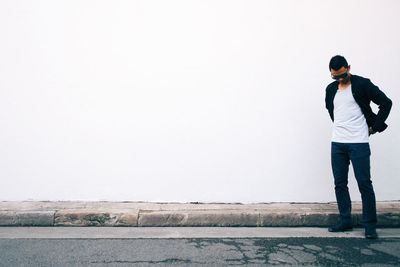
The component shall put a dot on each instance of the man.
(348, 101)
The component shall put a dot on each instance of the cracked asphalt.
(201, 252)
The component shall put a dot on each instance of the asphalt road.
(43, 250)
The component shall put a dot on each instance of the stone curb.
(95, 218)
(252, 219)
(27, 218)
(172, 215)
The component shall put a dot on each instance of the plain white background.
(212, 101)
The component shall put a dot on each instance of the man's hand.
(371, 131)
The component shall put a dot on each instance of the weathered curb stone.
(95, 218)
(27, 218)
(284, 219)
(8, 218)
(198, 218)
(80, 213)
(388, 219)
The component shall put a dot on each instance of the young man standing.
(348, 101)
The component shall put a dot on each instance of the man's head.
(339, 69)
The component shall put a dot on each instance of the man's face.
(341, 75)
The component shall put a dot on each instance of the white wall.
(214, 101)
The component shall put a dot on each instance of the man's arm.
(384, 104)
(328, 104)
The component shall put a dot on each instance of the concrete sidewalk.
(60, 232)
(141, 214)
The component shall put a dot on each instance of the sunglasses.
(341, 76)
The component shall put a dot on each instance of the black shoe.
(370, 233)
(340, 227)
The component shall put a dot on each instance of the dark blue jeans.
(359, 155)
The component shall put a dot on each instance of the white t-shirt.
(349, 124)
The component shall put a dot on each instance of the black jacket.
(364, 91)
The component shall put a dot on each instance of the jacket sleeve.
(384, 105)
(328, 104)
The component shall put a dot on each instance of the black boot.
(341, 227)
(370, 232)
